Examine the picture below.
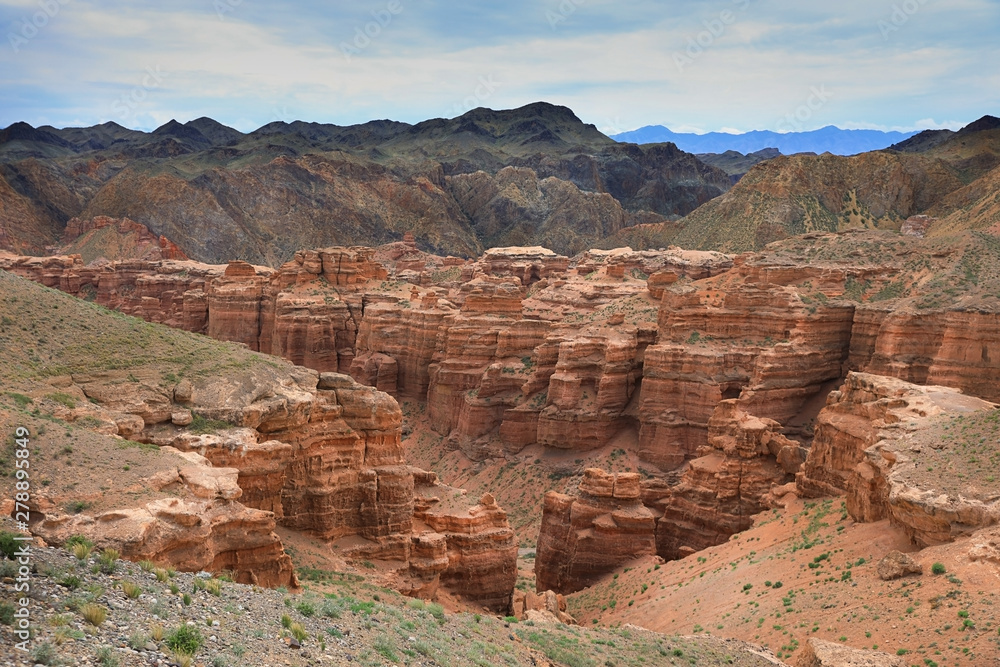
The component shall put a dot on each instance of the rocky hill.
(98, 610)
(737, 164)
(534, 175)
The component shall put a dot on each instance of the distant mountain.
(828, 139)
(737, 164)
(950, 176)
(536, 175)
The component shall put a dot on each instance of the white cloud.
(248, 70)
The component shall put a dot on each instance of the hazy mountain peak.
(827, 139)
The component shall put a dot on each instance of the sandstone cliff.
(908, 453)
(242, 442)
(585, 537)
(671, 351)
(722, 490)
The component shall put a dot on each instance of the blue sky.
(732, 65)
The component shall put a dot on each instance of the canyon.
(715, 362)
(826, 365)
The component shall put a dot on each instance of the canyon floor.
(808, 570)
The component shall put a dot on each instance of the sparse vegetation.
(94, 614)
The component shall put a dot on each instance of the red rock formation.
(527, 264)
(852, 422)
(595, 378)
(955, 348)
(479, 547)
(210, 531)
(126, 240)
(545, 607)
(721, 491)
(917, 225)
(210, 535)
(406, 335)
(871, 443)
(585, 537)
(749, 334)
(262, 465)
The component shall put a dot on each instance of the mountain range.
(536, 175)
(827, 139)
(533, 175)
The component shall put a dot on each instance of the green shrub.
(938, 568)
(385, 648)
(94, 614)
(77, 539)
(21, 400)
(185, 639)
(105, 658)
(77, 506)
(63, 399)
(8, 544)
(202, 426)
(44, 654)
(6, 613)
(298, 631)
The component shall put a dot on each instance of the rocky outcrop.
(954, 348)
(895, 565)
(116, 239)
(865, 409)
(207, 530)
(192, 536)
(819, 653)
(722, 490)
(886, 443)
(527, 264)
(543, 607)
(584, 537)
(471, 551)
(261, 466)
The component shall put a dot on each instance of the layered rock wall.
(954, 348)
(881, 440)
(751, 335)
(722, 490)
(584, 537)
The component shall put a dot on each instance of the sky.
(722, 65)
